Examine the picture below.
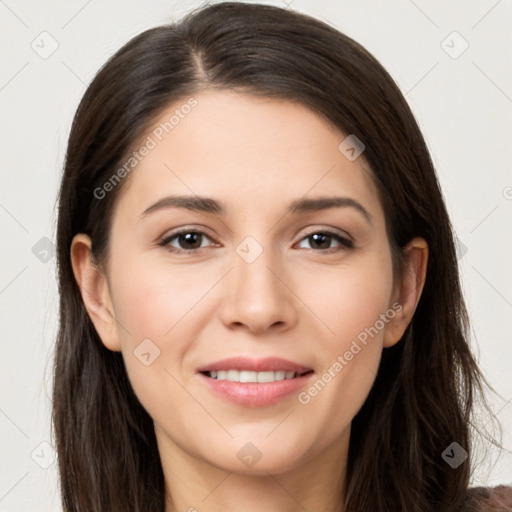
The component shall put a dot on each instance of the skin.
(297, 300)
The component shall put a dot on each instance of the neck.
(315, 484)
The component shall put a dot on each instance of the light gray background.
(463, 102)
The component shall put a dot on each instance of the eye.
(188, 241)
(323, 239)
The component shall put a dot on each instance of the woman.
(255, 369)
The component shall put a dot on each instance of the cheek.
(353, 307)
(346, 300)
(150, 301)
(153, 305)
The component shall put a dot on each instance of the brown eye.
(187, 241)
(322, 240)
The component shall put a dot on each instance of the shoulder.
(491, 499)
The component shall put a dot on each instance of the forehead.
(250, 152)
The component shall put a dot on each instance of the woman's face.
(285, 289)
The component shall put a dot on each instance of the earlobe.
(408, 290)
(95, 291)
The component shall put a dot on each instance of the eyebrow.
(214, 206)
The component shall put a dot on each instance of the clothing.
(491, 499)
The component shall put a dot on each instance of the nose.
(258, 296)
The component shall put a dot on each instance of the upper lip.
(267, 364)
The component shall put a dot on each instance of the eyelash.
(346, 244)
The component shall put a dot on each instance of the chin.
(258, 458)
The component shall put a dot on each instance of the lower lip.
(256, 394)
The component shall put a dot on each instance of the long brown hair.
(422, 398)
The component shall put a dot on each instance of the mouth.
(252, 382)
(248, 369)
(246, 376)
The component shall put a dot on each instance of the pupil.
(325, 238)
(190, 238)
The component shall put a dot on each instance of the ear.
(407, 290)
(95, 292)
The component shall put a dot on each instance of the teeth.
(248, 376)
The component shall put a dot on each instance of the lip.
(267, 364)
(256, 394)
